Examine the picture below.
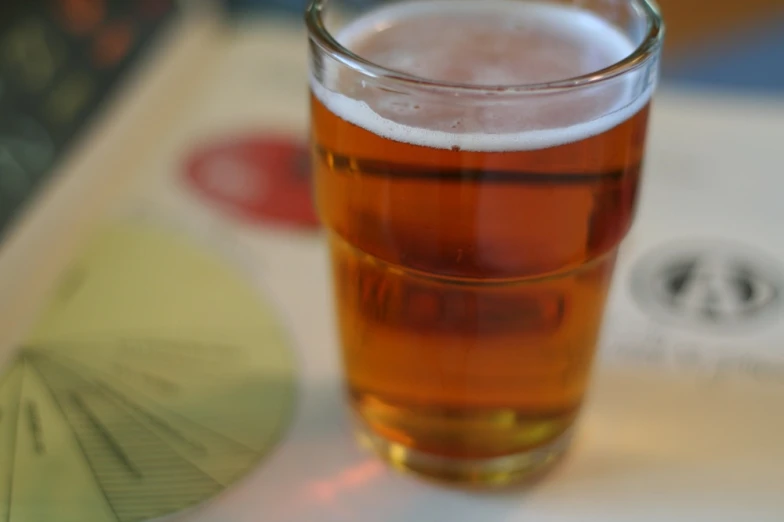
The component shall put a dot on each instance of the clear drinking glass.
(476, 166)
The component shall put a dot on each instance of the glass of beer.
(476, 164)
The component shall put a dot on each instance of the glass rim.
(650, 45)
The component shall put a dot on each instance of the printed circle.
(155, 378)
(260, 179)
(716, 285)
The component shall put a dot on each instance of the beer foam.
(426, 54)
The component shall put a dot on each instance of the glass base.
(491, 472)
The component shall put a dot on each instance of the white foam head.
(493, 42)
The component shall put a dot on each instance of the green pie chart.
(155, 378)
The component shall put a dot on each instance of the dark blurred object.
(749, 59)
(60, 60)
(296, 7)
(246, 6)
(725, 44)
(701, 23)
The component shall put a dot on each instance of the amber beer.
(473, 236)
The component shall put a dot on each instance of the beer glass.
(476, 166)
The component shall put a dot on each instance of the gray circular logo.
(716, 285)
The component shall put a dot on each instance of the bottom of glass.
(491, 472)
